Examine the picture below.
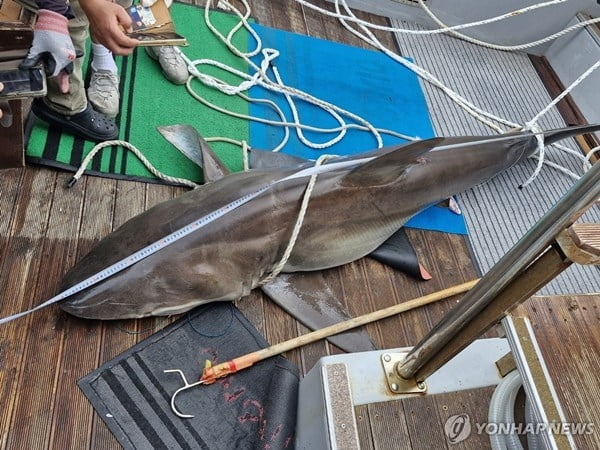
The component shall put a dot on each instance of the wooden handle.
(212, 373)
(364, 319)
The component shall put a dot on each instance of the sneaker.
(103, 92)
(173, 66)
(88, 124)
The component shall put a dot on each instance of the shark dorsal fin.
(388, 167)
(189, 142)
(185, 139)
(213, 167)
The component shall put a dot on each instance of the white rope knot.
(540, 152)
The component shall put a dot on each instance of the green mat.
(149, 100)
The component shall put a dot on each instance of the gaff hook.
(212, 373)
(187, 385)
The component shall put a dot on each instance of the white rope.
(444, 29)
(451, 30)
(286, 125)
(370, 38)
(298, 225)
(558, 168)
(533, 123)
(245, 149)
(261, 78)
(566, 92)
(541, 152)
(587, 164)
(479, 114)
(138, 153)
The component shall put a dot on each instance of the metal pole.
(522, 287)
(566, 211)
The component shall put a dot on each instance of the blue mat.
(364, 82)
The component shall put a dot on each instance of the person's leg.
(75, 100)
(71, 111)
(172, 64)
(103, 91)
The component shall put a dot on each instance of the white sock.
(102, 58)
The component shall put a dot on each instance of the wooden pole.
(212, 373)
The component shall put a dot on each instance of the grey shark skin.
(351, 212)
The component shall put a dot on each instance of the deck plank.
(389, 426)
(423, 423)
(20, 269)
(130, 200)
(475, 404)
(567, 329)
(82, 338)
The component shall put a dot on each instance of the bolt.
(421, 386)
(394, 387)
(343, 426)
(387, 358)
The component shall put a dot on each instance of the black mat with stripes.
(255, 408)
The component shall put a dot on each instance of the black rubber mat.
(255, 408)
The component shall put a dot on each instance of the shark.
(357, 204)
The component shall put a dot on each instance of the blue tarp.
(364, 82)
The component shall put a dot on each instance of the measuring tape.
(178, 234)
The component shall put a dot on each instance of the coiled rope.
(267, 76)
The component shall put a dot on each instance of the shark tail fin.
(552, 136)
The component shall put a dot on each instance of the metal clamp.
(397, 384)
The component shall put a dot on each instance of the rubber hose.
(512, 439)
(503, 393)
(533, 441)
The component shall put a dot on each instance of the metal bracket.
(397, 384)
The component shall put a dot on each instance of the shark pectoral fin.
(214, 169)
(388, 167)
(262, 159)
(308, 297)
(186, 139)
(398, 252)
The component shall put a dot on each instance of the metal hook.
(187, 385)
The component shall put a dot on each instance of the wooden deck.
(567, 329)
(45, 228)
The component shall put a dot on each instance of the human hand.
(52, 46)
(108, 24)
